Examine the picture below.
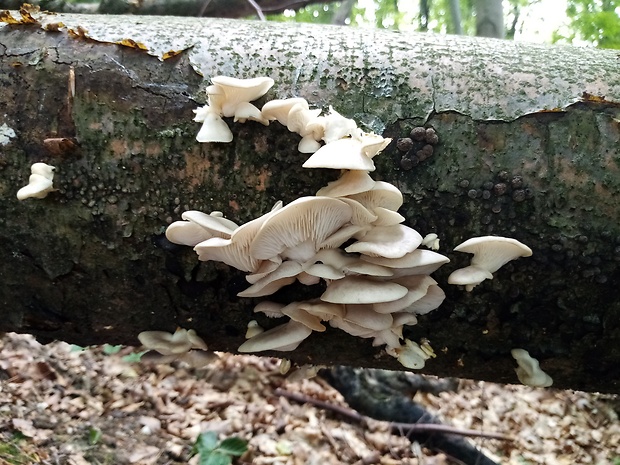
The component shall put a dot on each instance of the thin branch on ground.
(400, 428)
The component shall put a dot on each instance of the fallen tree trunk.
(528, 148)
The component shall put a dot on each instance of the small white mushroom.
(279, 109)
(341, 154)
(418, 262)
(349, 183)
(490, 254)
(214, 128)
(362, 290)
(236, 93)
(39, 182)
(253, 329)
(285, 337)
(182, 341)
(410, 355)
(387, 241)
(529, 372)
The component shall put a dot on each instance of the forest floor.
(63, 405)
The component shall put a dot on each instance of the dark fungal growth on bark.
(418, 147)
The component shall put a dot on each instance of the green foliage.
(14, 452)
(213, 452)
(596, 22)
(94, 435)
(109, 349)
(133, 357)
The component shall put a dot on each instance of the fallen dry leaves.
(59, 406)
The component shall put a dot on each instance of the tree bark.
(528, 148)
(210, 8)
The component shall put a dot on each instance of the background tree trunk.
(489, 18)
(528, 149)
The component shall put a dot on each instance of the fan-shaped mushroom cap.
(341, 154)
(238, 91)
(216, 224)
(236, 250)
(213, 128)
(167, 344)
(297, 230)
(529, 372)
(39, 182)
(492, 252)
(387, 217)
(410, 355)
(470, 277)
(283, 275)
(253, 329)
(43, 169)
(348, 264)
(387, 241)
(297, 312)
(349, 183)
(199, 227)
(246, 111)
(362, 290)
(418, 262)
(417, 287)
(270, 309)
(362, 320)
(382, 194)
(432, 299)
(372, 144)
(336, 126)
(279, 109)
(285, 337)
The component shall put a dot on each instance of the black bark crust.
(90, 264)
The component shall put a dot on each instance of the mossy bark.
(528, 148)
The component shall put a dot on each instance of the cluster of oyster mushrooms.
(375, 283)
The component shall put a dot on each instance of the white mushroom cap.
(246, 111)
(349, 264)
(470, 277)
(218, 225)
(167, 344)
(372, 144)
(199, 227)
(529, 372)
(387, 241)
(383, 194)
(387, 217)
(297, 312)
(336, 126)
(297, 230)
(285, 337)
(362, 290)
(279, 109)
(39, 182)
(362, 321)
(432, 299)
(349, 183)
(282, 276)
(410, 355)
(253, 329)
(43, 169)
(237, 91)
(270, 309)
(213, 129)
(418, 262)
(187, 233)
(417, 287)
(236, 250)
(341, 154)
(492, 252)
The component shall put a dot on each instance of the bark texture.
(528, 148)
(210, 8)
